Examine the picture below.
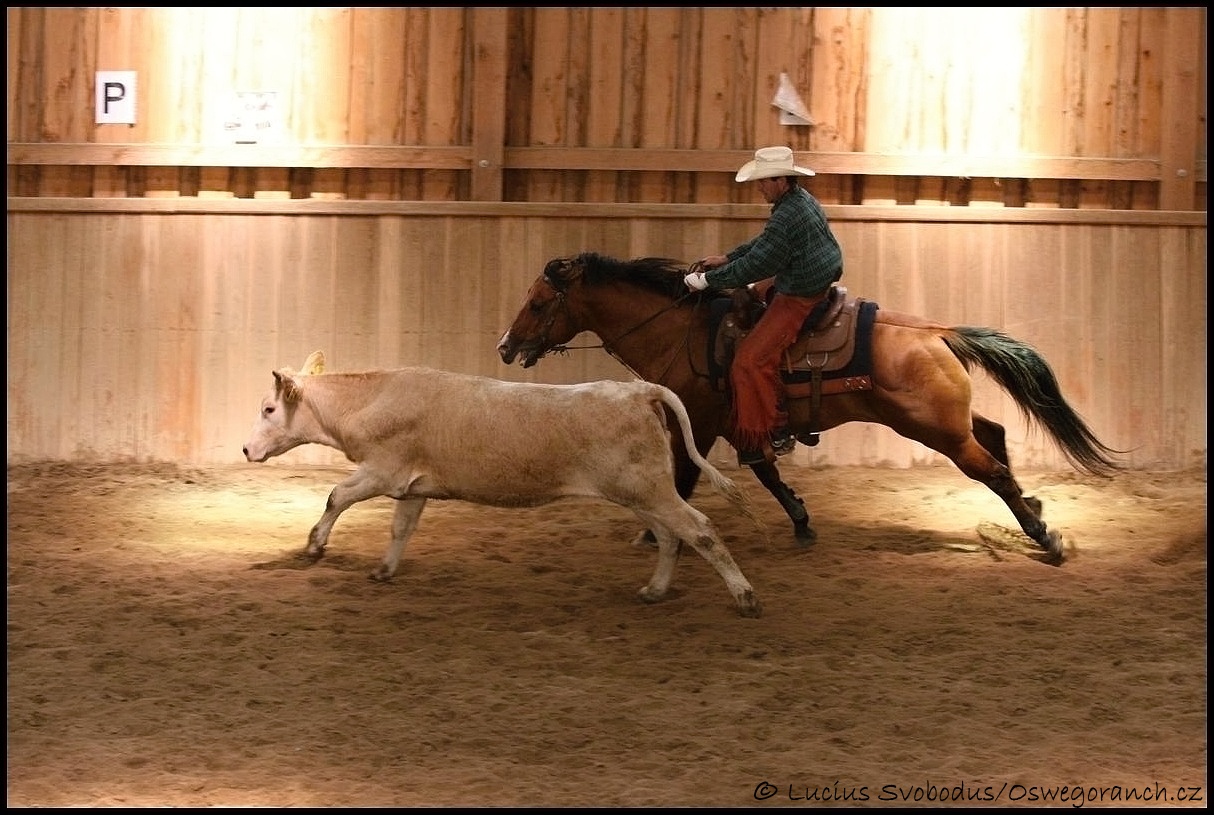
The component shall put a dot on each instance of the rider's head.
(771, 162)
(775, 170)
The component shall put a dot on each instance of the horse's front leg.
(769, 476)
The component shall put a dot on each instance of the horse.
(647, 320)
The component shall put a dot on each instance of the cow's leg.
(713, 549)
(358, 487)
(688, 524)
(686, 476)
(404, 522)
(668, 558)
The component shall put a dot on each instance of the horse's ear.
(555, 273)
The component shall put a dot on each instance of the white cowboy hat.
(771, 162)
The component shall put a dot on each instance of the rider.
(798, 250)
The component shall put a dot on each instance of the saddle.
(832, 354)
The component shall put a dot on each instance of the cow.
(418, 433)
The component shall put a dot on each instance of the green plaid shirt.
(796, 247)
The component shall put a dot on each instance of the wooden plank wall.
(137, 336)
(432, 159)
(519, 104)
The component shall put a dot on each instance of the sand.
(167, 646)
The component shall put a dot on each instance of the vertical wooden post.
(1179, 114)
(488, 102)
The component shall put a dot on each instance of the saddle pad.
(861, 363)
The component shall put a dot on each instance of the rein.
(607, 345)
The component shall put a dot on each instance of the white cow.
(419, 433)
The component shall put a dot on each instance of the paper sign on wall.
(792, 108)
(253, 117)
(115, 98)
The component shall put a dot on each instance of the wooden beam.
(581, 158)
(522, 209)
(953, 166)
(244, 155)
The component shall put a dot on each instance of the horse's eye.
(537, 306)
(267, 410)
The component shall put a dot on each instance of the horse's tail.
(1030, 381)
(719, 480)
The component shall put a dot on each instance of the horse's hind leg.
(983, 465)
(993, 437)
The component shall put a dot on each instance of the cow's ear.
(286, 386)
(315, 364)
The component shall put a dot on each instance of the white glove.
(696, 281)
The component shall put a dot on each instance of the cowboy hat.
(770, 162)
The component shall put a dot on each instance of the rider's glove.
(696, 281)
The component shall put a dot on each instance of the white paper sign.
(253, 117)
(792, 108)
(115, 98)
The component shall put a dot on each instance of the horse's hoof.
(806, 536)
(1053, 548)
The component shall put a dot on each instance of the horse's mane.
(662, 275)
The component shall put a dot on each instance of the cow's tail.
(720, 481)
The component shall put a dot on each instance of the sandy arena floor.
(167, 646)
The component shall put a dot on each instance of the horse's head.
(590, 292)
(545, 321)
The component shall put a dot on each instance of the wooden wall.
(152, 335)
(1038, 170)
(1053, 107)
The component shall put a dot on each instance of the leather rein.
(563, 305)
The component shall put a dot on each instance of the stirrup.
(782, 442)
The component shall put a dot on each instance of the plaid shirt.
(796, 247)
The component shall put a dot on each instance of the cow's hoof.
(749, 605)
(650, 595)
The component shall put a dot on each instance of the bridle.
(562, 306)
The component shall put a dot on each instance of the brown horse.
(648, 321)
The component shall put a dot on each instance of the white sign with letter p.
(115, 95)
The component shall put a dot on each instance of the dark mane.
(662, 275)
